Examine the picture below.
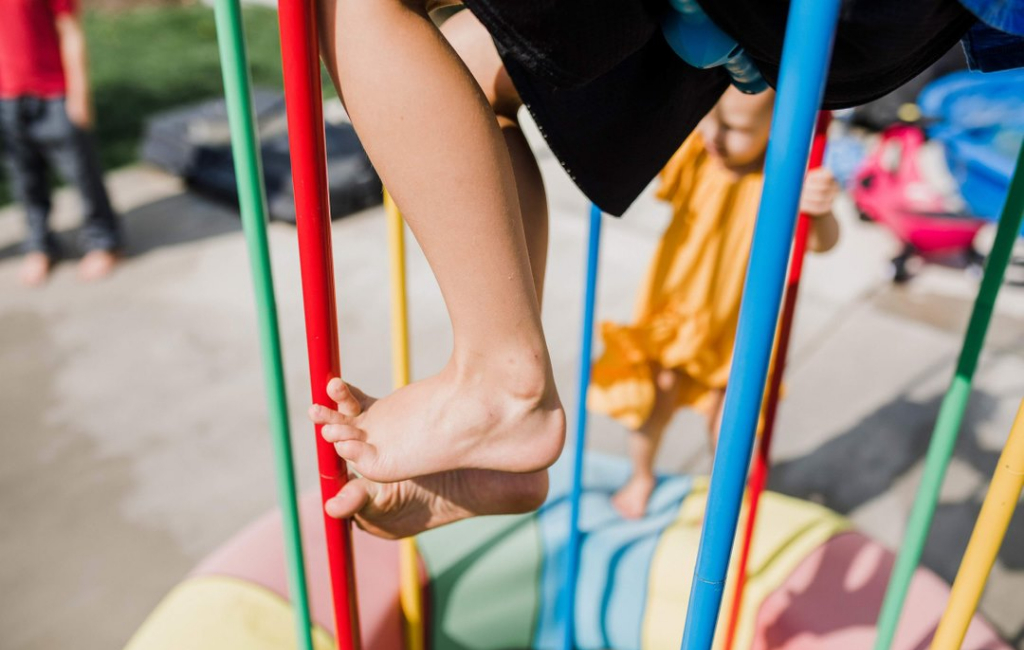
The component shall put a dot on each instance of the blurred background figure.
(677, 352)
(46, 120)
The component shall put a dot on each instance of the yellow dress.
(688, 306)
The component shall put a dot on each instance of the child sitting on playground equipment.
(678, 350)
(613, 101)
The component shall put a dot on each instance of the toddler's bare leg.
(715, 419)
(631, 499)
(434, 139)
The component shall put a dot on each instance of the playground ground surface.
(134, 426)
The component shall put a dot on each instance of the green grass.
(146, 60)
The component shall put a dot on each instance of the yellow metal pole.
(996, 512)
(408, 558)
(399, 316)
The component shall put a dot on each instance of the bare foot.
(35, 269)
(631, 499)
(396, 510)
(445, 423)
(96, 265)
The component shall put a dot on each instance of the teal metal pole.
(252, 203)
(951, 414)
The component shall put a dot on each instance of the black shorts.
(614, 102)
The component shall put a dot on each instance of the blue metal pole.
(572, 545)
(805, 59)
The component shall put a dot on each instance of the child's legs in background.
(475, 47)
(72, 151)
(631, 500)
(431, 134)
(27, 170)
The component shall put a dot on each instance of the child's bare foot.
(410, 507)
(96, 265)
(445, 423)
(35, 269)
(631, 499)
(395, 510)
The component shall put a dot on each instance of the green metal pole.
(951, 415)
(252, 204)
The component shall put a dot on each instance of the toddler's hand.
(820, 190)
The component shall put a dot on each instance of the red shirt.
(30, 62)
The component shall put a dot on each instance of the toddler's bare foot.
(395, 510)
(631, 499)
(447, 422)
(35, 269)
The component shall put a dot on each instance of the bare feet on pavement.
(96, 265)
(35, 269)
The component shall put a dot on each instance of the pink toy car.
(891, 189)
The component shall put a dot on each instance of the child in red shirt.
(46, 121)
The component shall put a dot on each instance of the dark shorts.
(614, 102)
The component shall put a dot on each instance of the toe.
(342, 433)
(352, 498)
(360, 454)
(326, 415)
(348, 403)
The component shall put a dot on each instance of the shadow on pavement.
(171, 221)
(880, 450)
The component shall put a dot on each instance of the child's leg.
(715, 418)
(631, 499)
(532, 198)
(475, 47)
(432, 136)
(27, 170)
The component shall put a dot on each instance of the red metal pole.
(304, 103)
(759, 470)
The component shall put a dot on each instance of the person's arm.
(76, 69)
(820, 190)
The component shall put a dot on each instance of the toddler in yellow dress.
(678, 350)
